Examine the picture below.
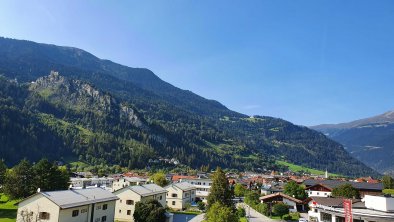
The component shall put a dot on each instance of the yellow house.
(129, 196)
(79, 205)
(180, 194)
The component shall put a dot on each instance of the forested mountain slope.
(103, 112)
(370, 140)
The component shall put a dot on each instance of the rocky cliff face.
(78, 95)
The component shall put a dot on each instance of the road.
(255, 216)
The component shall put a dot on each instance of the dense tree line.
(25, 178)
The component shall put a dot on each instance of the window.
(75, 213)
(130, 202)
(173, 203)
(84, 211)
(105, 206)
(317, 193)
(128, 212)
(97, 220)
(43, 215)
(98, 207)
(103, 218)
(120, 211)
(160, 197)
(174, 195)
(310, 192)
(120, 201)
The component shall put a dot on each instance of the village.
(114, 197)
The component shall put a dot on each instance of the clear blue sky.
(309, 62)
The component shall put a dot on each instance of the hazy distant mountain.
(370, 140)
(105, 113)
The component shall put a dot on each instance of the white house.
(180, 194)
(293, 203)
(127, 181)
(103, 182)
(129, 196)
(203, 186)
(87, 205)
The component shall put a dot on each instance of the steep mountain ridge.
(370, 140)
(83, 105)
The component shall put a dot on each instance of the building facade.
(179, 195)
(129, 196)
(87, 205)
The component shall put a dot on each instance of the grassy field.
(7, 209)
(388, 191)
(297, 168)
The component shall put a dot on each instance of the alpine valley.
(369, 140)
(63, 102)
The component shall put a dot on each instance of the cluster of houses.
(111, 198)
(372, 205)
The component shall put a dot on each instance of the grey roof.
(144, 190)
(337, 202)
(335, 183)
(73, 198)
(184, 186)
(134, 179)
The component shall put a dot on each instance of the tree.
(201, 205)
(263, 208)
(48, 176)
(220, 190)
(252, 198)
(220, 213)
(3, 170)
(19, 180)
(295, 190)
(280, 209)
(159, 178)
(346, 191)
(388, 182)
(149, 211)
(239, 190)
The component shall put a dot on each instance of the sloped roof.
(73, 198)
(143, 190)
(336, 202)
(267, 197)
(335, 183)
(183, 186)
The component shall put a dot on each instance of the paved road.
(254, 215)
(198, 218)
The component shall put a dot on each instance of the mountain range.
(62, 102)
(370, 140)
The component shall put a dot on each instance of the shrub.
(286, 217)
(241, 212)
(280, 209)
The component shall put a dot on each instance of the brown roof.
(281, 195)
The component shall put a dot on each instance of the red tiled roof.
(178, 177)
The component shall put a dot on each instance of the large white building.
(369, 209)
(103, 182)
(127, 181)
(86, 205)
(203, 186)
(130, 195)
(180, 194)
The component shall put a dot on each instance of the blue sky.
(308, 62)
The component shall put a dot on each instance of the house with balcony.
(130, 195)
(179, 195)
